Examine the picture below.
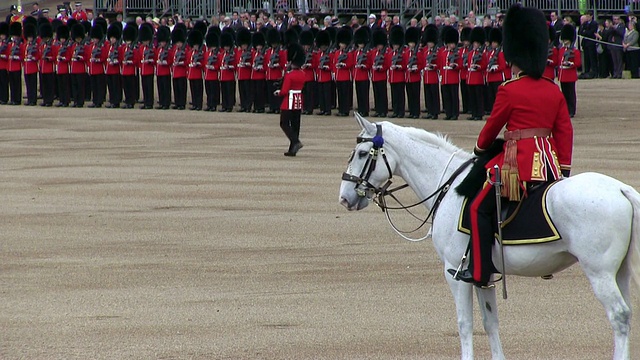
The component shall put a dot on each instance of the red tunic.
(178, 62)
(31, 57)
(63, 60)
(79, 15)
(275, 60)
(128, 59)
(527, 103)
(113, 62)
(552, 62)
(322, 65)
(414, 64)
(291, 90)
(79, 57)
(463, 52)
(496, 66)
(362, 65)
(4, 54)
(450, 64)
(228, 65)
(342, 63)
(212, 61)
(48, 56)
(244, 65)
(147, 56)
(380, 63)
(258, 67)
(568, 63)
(16, 52)
(476, 67)
(99, 54)
(164, 60)
(398, 66)
(195, 59)
(428, 57)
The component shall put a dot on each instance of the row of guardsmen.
(81, 63)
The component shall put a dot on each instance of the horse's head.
(368, 170)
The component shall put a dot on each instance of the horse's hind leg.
(462, 295)
(489, 308)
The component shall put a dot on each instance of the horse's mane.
(434, 139)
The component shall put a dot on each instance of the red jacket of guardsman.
(4, 54)
(164, 60)
(476, 65)
(48, 54)
(362, 66)
(243, 63)
(99, 54)
(322, 65)
(16, 53)
(31, 57)
(380, 60)
(429, 57)
(398, 65)
(552, 63)
(112, 64)
(450, 63)
(147, 56)
(179, 64)
(496, 65)
(129, 59)
(228, 65)
(195, 59)
(258, 64)
(63, 60)
(414, 65)
(342, 62)
(212, 61)
(464, 52)
(80, 56)
(275, 59)
(307, 67)
(527, 103)
(79, 15)
(291, 90)
(569, 61)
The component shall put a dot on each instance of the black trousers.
(244, 89)
(413, 98)
(380, 97)
(483, 215)
(590, 57)
(476, 100)
(362, 95)
(274, 101)
(334, 92)
(324, 95)
(259, 94)
(15, 85)
(147, 90)
(31, 83)
(196, 88)
(309, 95)
(632, 58)
(129, 83)
(180, 91)
(99, 88)
(569, 92)
(47, 87)
(164, 90)
(228, 90)
(87, 87)
(4, 86)
(345, 96)
(212, 87)
(451, 100)
(487, 102)
(605, 65)
(397, 99)
(114, 83)
(492, 92)
(464, 94)
(64, 90)
(290, 125)
(78, 88)
(432, 99)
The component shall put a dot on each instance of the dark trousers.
(432, 99)
(380, 97)
(87, 87)
(324, 95)
(362, 95)
(64, 90)
(334, 92)
(244, 89)
(464, 95)
(476, 100)
(212, 87)
(164, 90)
(99, 88)
(345, 96)
(290, 125)
(308, 93)
(4, 86)
(259, 94)
(114, 83)
(487, 103)
(605, 67)
(31, 83)
(413, 98)
(180, 92)
(616, 58)
(632, 58)
(493, 91)
(274, 101)
(15, 85)
(78, 88)
(196, 88)
(397, 99)
(129, 84)
(451, 100)
(47, 87)
(228, 89)
(569, 92)
(147, 90)
(483, 220)
(590, 57)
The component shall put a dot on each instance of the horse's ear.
(365, 124)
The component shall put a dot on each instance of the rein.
(381, 192)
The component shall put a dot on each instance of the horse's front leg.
(489, 308)
(463, 296)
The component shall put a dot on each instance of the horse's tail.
(633, 254)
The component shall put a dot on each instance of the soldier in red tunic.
(164, 62)
(129, 58)
(496, 65)
(63, 59)
(396, 71)
(380, 59)
(569, 61)
(227, 72)
(412, 73)
(429, 57)
(552, 57)
(211, 68)
(291, 94)
(476, 66)
(146, 54)
(47, 64)
(322, 66)
(112, 68)
(449, 63)
(179, 66)
(275, 59)
(15, 52)
(258, 72)
(4, 57)
(195, 59)
(78, 69)
(31, 57)
(342, 63)
(361, 69)
(244, 67)
(99, 53)
(308, 93)
(539, 134)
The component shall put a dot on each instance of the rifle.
(147, 54)
(78, 52)
(397, 58)
(113, 55)
(31, 51)
(378, 62)
(258, 62)
(567, 57)
(15, 50)
(274, 59)
(493, 61)
(361, 59)
(412, 64)
(96, 52)
(245, 58)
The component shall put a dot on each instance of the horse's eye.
(362, 153)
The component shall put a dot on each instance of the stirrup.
(547, 277)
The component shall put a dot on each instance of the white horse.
(597, 216)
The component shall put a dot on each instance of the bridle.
(378, 195)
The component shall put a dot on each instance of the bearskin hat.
(306, 38)
(273, 37)
(87, 27)
(77, 31)
(296, 28)
(163, 34)
(333, 33)
(55, 23)
(450, 35)
(465, 34)
(30, 31)
(315, 31)
(552, 33)
(495, 36)
(71, 22)
(477, 35)
(183, 27)
(212, 39)
(46, 30)
(412, 35)
(568, 32)
(430, 34)
(526, 39)
(4, 28)
(42, 20)
(130, 33)
(296, 54)
(215, 29)
(362, 35)
(195, 37)
(15, 29)
(226, 39)
(396, 35)
(145, 33)
(344, 35)
(96, 32)
(62, 32)
(102, 23)
(257, 39)
(243, 37)
(379, 37)
(487, 33)
(200, 26)
(114, 32)
(290, 37)
(30, 20)
(323, 38)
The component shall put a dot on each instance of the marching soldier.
(396, 71)
(475, 74)
(569, 61)
(212, 68)
(98, 50)
(380, 59)
(275, 58)
(361, 69)
(412, 73)
(227, 72)
(63, 48)
(341, 63)
(14, 66)
(496, 65)
(429, 57)
(179, 66)
(450, 64)
(552, 58)
(112, 70)
(129, 59)
(4, 61)
(464, 51)
(147, 56)
(258, 72)
(309, 91)
(291, 94)
(48, 56)
(244, 68)
(31, 57)
(164, 63)
(195, 59)
(78, 69)
(322, 66)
